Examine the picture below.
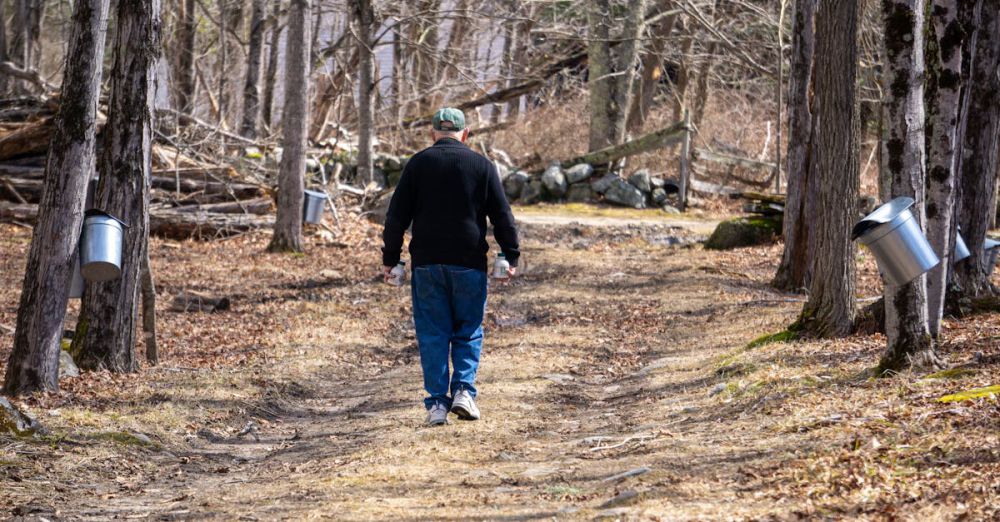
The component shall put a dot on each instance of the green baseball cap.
(448, 119)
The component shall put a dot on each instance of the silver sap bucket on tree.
(101, 246)
(313, 205)
(991, 252)
(961, 249)
(891, 232)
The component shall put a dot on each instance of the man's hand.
(385, 273)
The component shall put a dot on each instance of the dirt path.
(597, 364)
(615, 383)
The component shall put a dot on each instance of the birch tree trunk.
(364, 13)
(34, 362)
(833, 165)
(611, 77)
(979, 161)
(251, 85)
(185, 60)
(792, 274)
(272, 66)
(106, 331)
(903, 160)
(945, 41)
(295, 122)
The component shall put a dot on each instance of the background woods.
(691, 177)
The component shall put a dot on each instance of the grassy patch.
(783, 336)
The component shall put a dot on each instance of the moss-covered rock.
(743, 232)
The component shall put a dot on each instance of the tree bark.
(251, 84)
(979, 155)
(611, 77)
(903, 159)
(793, 274)
(833, 165)
(34, 362)
(945, 41)
(295, 122)
(364, 14)
(106, 331)
(185, 59)
(272, 66)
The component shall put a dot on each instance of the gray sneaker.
(437, 415)
(463, 406)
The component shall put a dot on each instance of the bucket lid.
(100, 213)
(317, 194)
(882, 215)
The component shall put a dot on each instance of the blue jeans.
(448, 307)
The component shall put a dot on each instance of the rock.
(514, 184)
(14, 422)
(624, 193)
(532, 192)
(659, 196)
(641, 180)
(602, 185)
(578, 173)
(579, 193)
(742, 232)
(555, 181)
(67, 368)
(669, 209)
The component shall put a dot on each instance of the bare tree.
(295, 122)
(945, 41)
(106, 331)
(611, 75)
(364, 14)
(185, 58)
(272, 65)
(979, 162)
(34, 361)
(793, 270)
(251, 84)
(833, 170)
(903, 160)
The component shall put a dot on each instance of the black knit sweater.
(447, 191)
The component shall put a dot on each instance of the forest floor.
(616, 382)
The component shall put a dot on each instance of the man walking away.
(447, 191)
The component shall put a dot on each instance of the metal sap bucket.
(313, 205)
(991, 252)
(961, 250)
(893, 235)
(101, 246)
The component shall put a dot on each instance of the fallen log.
(29, 140)
(654, 140)
(259, 207)
(167, 223)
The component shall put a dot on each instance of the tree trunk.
(793, 273)
(611, 76)
(944, 82)
(903, 159)
(652, 71)
(364, 13)
(34, 362)
(149, 309)
(979, 156)
(185, 59)
(105, 333)
(251, 85)
(833, 170)
(272, 66)
(295, 122)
